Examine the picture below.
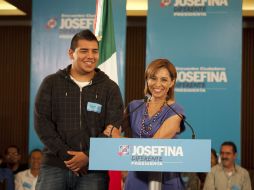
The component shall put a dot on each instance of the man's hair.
(230, 143)
(12, 146)
(34, 150)
(82, 35)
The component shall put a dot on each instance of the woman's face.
(160, 83)
(213, 160)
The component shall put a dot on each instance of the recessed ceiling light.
(7, 9)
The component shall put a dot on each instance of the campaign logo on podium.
(124, 150)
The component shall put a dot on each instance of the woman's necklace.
(146, 127)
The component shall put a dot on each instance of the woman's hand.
(112, 131)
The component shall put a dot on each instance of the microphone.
(146, 98)
(193, 136)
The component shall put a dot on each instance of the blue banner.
(203, 40)
(135, 154)
(53, 25)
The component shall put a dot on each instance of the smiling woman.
(154, 119)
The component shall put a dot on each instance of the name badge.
(27, 185)
(235, 187)
(94, 107)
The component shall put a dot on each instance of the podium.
(154, 155)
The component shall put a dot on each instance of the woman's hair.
(153, 67)
(213, 152)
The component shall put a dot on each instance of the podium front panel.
(135, 154)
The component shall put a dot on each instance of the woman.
(214, 158)
(155, 119)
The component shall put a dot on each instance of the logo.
(51, 23)
(165, 3)
(123, 150)
(69, 24)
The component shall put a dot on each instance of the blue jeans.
(54, 178)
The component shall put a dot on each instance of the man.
(13, 159)
(228, 175)
(26, 180)
(6, 176)
(71, 106)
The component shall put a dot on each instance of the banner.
(203, 40)
(52, 29)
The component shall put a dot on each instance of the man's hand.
(82, 171)
(78, 162)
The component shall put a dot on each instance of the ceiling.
(248, 8)
(134, 8)
(23, 5)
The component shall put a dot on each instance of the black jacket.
(62, 119)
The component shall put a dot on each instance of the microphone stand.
(126, 116)
(155, 181)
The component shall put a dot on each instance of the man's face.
(85, 57)
(35, 160)
(12, 156)
(227, 156)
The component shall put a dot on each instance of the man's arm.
(209, 182)
(44, 125)
(114, 112)
(18, 181)
(246, 182)
(114, 115)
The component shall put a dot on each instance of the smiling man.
(72, 106)
(228, 175)
(26, 180)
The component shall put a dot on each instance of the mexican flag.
(104, 31)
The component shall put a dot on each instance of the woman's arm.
(169, 128)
